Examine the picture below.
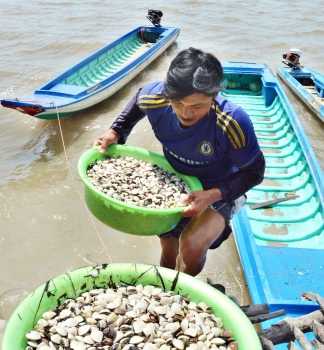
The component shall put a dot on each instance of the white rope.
(77, 188)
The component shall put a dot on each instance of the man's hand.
(199, 201)
(106, 139)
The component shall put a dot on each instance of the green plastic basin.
(74, 283)
(125, 217)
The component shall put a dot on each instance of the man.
(204, 135)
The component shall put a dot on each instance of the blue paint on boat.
(98, 76)
(282, 246)
(308, 85)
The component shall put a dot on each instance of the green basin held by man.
(124, 217)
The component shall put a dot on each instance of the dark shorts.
(226, 211)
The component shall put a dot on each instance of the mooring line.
(75, 184)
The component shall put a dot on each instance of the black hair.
(193, 71)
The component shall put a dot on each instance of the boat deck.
(107, 64)
(281, 247)
(295, 223)
(310, 89)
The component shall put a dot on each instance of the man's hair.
(193, 71)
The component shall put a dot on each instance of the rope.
(77, 188)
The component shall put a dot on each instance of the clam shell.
(77, 345)
(49, 315)
(178, 344)
(135, 339)
(97, 336)
(84, 329)
(33, 335)
(56, 338)
(61, 331)
(70, 322)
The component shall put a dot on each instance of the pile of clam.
(137, 182)
(130, 318)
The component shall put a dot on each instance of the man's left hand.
(199, 201)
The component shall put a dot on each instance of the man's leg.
(170, 251)
(196, 239)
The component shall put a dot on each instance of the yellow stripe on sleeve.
(228, 128)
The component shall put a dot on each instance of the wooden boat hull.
(98, 76)
(308, 85)
(281, 246)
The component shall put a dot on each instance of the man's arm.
(128, 118)
(235, 186)
(243, 180)
(122, 126)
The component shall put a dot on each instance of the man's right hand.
(106, 139)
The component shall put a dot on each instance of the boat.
(306, 83)
(279, 233)
(98, 76)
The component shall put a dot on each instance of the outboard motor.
(155, 17)
(291, 59)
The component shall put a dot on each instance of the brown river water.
(45, 227)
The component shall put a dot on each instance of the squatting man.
(202, 134)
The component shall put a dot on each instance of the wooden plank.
(282, 331)
(300, 336)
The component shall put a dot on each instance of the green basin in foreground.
(74, 283)
(125, 217)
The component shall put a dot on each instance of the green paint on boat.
(108, 63)
(294, 223)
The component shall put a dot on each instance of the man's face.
(191, 108)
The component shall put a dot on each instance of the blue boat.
(98, 76)
(308, 85)
(280, 231)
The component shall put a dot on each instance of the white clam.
(218, 341)
(135, 340)
(61, 331)
(88, 340)
(97, 336)
(77, 345)
(33, 335)
(178, 344)
(150, 346)
(84, 329)
(49, 315)
(56, 338)
(70, 322)
(65, 313)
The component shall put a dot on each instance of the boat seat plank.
(287, 185)
(305, 194)
(285, 173)
(289, 232)
(283, 142)
(270, 135)
(303, 212)
(105, 65)
(68, 89)
(280, 152)
(285, 162)
(271, 126)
